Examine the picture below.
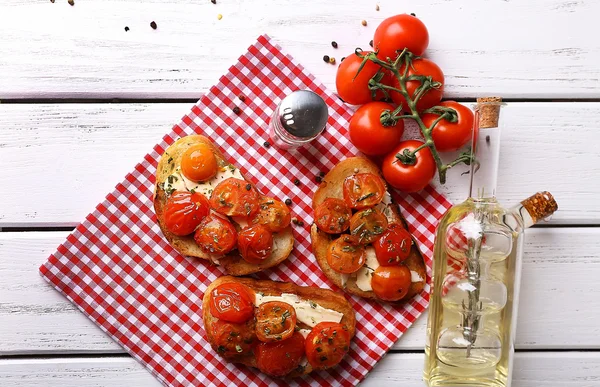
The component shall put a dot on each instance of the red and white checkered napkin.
(120, 271)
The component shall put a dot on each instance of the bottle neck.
(485, 150)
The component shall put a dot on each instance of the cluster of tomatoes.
(210, 219)
(382, 138)
(271, 333)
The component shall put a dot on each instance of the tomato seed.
(153, 25)
(326, 58)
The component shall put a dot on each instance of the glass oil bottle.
(476, 271)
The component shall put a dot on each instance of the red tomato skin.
(184, 211)
(399, 32)
(391, 283)
(216, 227)
(369, 135)
(420, 66)
(451, 136)
(255, 243)
(394, 246)
(281, 357)
(409, 178)
(355, 91)
(232, 302)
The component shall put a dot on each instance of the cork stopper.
(540, 206)
(489, 111)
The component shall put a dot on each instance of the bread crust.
(323, 297)
(331, 187)
(233, 263)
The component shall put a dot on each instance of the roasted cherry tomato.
(346, 255)
(372, 136)
(272, 213)
(326, 345)
(232, 340)
(368, 225)
(279, 358)
(275, 321)
(353, 88)
(235, 197)
(199, 163)
(216, 235)
(398, 32)
(363, 190)
(333, 216)
(232, 302)
(391, 283)
(424, 67)
(255, 243)
(409, 177)
(394, 246)
(450, 136)
(184, 211)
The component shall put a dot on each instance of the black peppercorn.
(326, 58)
(319, 179)
(288, 201)
(126, 29)
(242, 98)
(248, 187)
(371, 43)
(296, 182)
(237, 110)
(266, 144)
(412, 14)
(153, 25)
(213, 1)
(487, 139)
(71, 2)
(341, 60)
(322, 174)
(334, 44)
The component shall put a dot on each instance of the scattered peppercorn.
(242, 98)
(412, 14)
(376, 7)
(341, 60)
(52, 1)
(322, 174)
(371, 43)
(237, 110)
(326, 58)
(332, 60)
(213, 1)
(297, 222)
(288, 201)
(296, 182)
(248, 187)
(126, 28)
(487, 139)
(219, 16)
(153, 25)
(364, 22)
(319, 179)
(334, 44)
(71, 2)
(266, 144)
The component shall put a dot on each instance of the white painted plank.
(510, 48)
(551, 369)
(558, 306)
(67, 157)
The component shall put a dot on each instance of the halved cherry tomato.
(272, 213)
(346, 255)
(255, 243)
(232, 302)
(234, 197)
(368, 225)
(216, 235)
(281, 357)
(353, 88)
(425, 67)
(184, 211)
(275, 321)
(391, 283)
(333, 216)
(409, 177)
(199, 163)
(369, 134)
(450, 136)
(363, 190)
(398, 32)
(326, 345)
(394, 246)
(232, 340)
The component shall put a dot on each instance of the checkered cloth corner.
(119, 270)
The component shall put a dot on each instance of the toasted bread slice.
(283, 242)
(323, 297)
(331, 187)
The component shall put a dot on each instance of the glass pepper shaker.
(299, 118)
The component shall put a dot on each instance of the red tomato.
(255, 243)
(281, 357)
(333, 216)
(184, 211)
(391, 283)
(409, 178)
(450, 136)
(363, 190)
(346, 255)
(368, 225)
(355, 91)
(425, 67)
(199, 163)
(272, 213)
(216, 235)
(232, 340)
(394, 246)
(232, 302)
(326, 345)
(234, 197)
(275, 321)
(396, 33)
(369, 134)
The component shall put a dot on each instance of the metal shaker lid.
(303, 114)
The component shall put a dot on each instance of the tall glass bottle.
(476, 271)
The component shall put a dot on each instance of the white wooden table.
(82, 100)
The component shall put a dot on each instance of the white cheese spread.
(178, 182)
(307, 312)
